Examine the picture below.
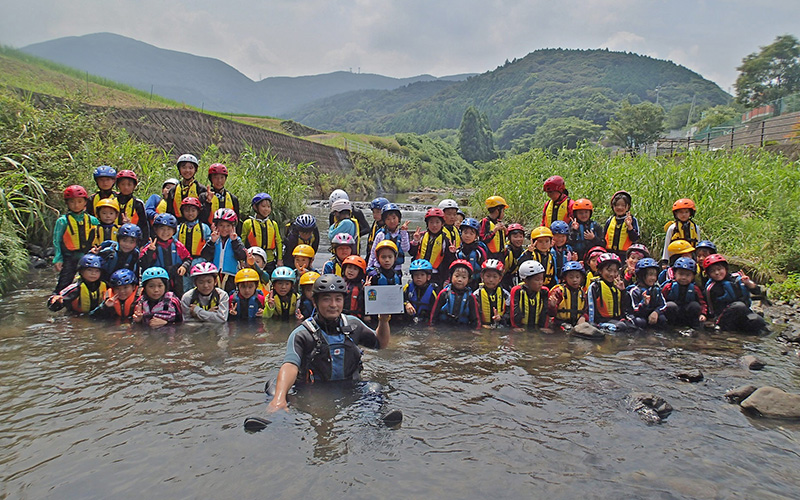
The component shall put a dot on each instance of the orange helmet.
(357, 261)
(684, 203)
(582, 204)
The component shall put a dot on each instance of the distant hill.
(203, 81)
(520, 95)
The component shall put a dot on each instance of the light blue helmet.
(421, 265)
(154, 272)
(573, 265)
(283, 273)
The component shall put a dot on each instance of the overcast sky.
(403, 38)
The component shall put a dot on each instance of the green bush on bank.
(746, 199)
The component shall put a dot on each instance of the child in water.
(584, 232)
(86, 294)
(492, 299)
(634, 254)
(539, 250)
(686, 304)
(107, 211)
(131, 208)
(164, 252)
(157, 306)
(394, 232)
(376, 206)
(73, 235)
(120, 300)
(529, 299)
(261, 231)
(590, 265)
(562, 252)
(224, 248)
(514, 250)
(192, 233)
(122, 254)
(385, 273)
(433, 245)
(728, 296)
(247, 302)
(282, 300)
(419, 295)
(566, 302)
(205, 302)
(305, 308)
(455, 304)
(354, 269)
(104, 178)
(342, 246)
(472, 249)
(493, 230)
(608, 302)
(647, 301)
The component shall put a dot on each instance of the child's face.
(420, 278)
(305, 234)
(105, 183)
(534, 283)
(574, 279)
(683, 214)
(308, 291)
(126, 186)
(497, 213)
(386, 258)
(459, 278)
(165, 190)
(582, 215)
(392, 221)
(123, 291)
(491, 278)
(683, 277)
(127, 244)
(76, 204)
(543, 244)
(247, 289)
(517, 238)
(218, 181)
(702, 253)
(559, 240)
(434, 224)
(632, 259)
(90, 274)
(553, 195)
(592, 263)
(459, 218)
(190, 213)
(450, 216)
(621, 207)
(351, 272)
(343, 251)
(650, 277)
(264, 208)
(717, 272)
(468, 235)
(107, 215)
(224, 227)
(610, 272)
(205, 284)
(164, 233)
(259, 261)
(187, 170)
(155, 288)
(282, 287)
(377, 214)
(301, 262)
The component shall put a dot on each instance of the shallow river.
(93, 410)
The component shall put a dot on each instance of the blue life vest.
(383, 279)
(248, 310)
(474, 258)
(306, 307)
(448, 313)
(674, 293)
(560, 257)
(401, 256)
(423, 305)
(223, 257)
(167, 259)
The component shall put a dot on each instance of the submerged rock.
(752, 362)
(588, 331)
(689, 375)
(740, 393)
(788, 335)
(772, 402)
(651, 408)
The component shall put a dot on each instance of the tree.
(636, 125)
(557, 133)
(769, 74)
(475, 141)
(716, 116)
(677, 117)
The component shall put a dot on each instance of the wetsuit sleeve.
(556, 295)
(147, 258)
(363, 335)
(599, 236)
(171, 201)
(298, 346)
(476, 312)
(637, 301)
(58, 237)
(660, 304)
(150, 206)
(633, 234)
(269, 311)
(239, 251)
(184, 255)
(485, 234)
(315, 243)
(516, 310)
(626, 305)
(702, 300)
(144, 223)
(544, 319)
(437, 307)
(665, 289)
(208, 251)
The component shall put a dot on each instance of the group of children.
(186, 255)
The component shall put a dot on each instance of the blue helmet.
(283, 273)
(258, 198)
(573, 265)
(90, 261)
(305, 221)
(646, 263)
(421, 265)
(105, 171)
(471, 223)
(122, 277)
(707, 245)
(685, 263)
(389, 208)
(168, 220)
(559, 227)
(378, 202)
(154, 272)
(130, 230)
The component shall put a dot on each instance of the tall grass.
(747, 200)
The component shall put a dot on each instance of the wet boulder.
(740, 393)
(689, 375)
(651, 408)
(772, 402)
(587, 331)
(752, 362)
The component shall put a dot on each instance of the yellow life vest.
(357, 237)
(685, 231)
(212, 303)
(432, 249)
(617, 236)
(87, 300)
(215, 205)
(129, 209)
(96, 199)
(192, 238)
(453, 235)
(498, 243)
(79, 234)
(161, 208)
(572, 306)
(257, 236)
(489, 302)
(609, 301)
(590, 276)
(106, 233)
(182, 192)
(371, 238)
(533, 307)
(556, 211)
(549, 263)
(285, 311)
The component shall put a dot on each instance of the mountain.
(203, 81)
(520, 96)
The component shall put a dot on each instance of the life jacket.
(106, 232)
(533, 306)
(120, 260)
(682, 294)
(476, 255)
(590, 277)
(491, 304)
(353, 306)
(335, 357)
(498, 243)
(262, 233)
(212, 303)
(97, 196)
(357, 236)
(247, 308)
(167, 308)
(556, 210)
(547, 261)
(377, 226)
(182, 192)
(608, 299)
(167, 256)
(79, 234)
(685, 231)
(401, 256)
(560, 257)
(306, 307)
(432, 248)
(424, 304)
(617, 234)
(191, 235)
(572, 305)
(385, 277)
(452, 234)
(715, 290)
(161, 208)
(284, 309)
(216, 205)
(456, 307)
(87, 300)
(124, 309)
(334, 266)
(223, 257)
(128, 208)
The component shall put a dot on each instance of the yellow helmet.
(245, 275)
(678, 247)
(303, 251)
(495, 201)
(108, 202)
(386, 244)
(308, 278)
(541, 232)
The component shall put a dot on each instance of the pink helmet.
(343, 239)
(226, 214)
(203, 268)
(607, 259)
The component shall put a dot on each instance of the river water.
(96, 410)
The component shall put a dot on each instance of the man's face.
(329, 305)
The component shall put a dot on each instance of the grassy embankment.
(746, 199)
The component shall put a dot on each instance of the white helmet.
(189, 158)
(339, 205)
(530, 268)
(338, 194)
(258, 251)
(448, 203)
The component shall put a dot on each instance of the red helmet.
(582, 204)
(434, 212)
(516, 226)
(714, 259)
(554, 183)
(127, 174)
(684, 203)
(227, 215)
(594, 251)
(608, 258)
(191, 200)
(462, 263)
(217, 168)
(75, 191)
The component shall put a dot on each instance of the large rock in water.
(651, 408)
(773, 403)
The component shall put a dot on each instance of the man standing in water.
(325, 347)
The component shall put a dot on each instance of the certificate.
(385, 299)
